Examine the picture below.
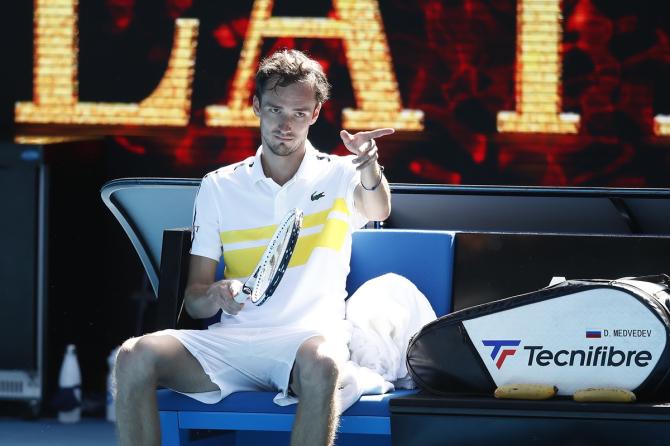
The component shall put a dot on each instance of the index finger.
(377, 133)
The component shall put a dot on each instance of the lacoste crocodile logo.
(317, 196)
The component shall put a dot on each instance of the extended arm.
(373, 195)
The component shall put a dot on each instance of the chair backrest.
(423, 257)
(145, 207)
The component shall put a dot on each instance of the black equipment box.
(429, 420)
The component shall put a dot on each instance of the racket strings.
(275, 261)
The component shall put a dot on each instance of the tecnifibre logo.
(593, 356)
(500, 352)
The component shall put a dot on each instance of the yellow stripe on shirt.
(332, 236)
(266, 232)
(319, 218)
(241, 262)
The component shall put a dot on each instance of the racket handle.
(240, 298)
(236, 290)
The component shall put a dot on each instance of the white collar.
(304, 172)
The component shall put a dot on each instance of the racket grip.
(236, 291)
(240, 298)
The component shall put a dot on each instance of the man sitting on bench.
(281, 345)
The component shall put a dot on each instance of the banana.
(526, 391)
(604, 395)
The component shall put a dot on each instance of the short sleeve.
(352, 179)
(205, 237)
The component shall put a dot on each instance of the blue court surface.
(48, 431)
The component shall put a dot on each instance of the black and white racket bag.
(574, 335)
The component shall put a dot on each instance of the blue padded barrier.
(424, 257)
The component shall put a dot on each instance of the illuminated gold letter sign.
(662, 125)
(538, 72)
(368, 57)
(55, 83)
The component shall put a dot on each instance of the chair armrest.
(175, 258)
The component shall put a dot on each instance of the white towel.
(356, 381)
(385, 312)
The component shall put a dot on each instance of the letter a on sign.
(368, 58)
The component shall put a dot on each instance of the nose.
(285, 124)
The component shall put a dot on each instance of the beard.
(283, 148)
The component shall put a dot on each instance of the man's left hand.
(362, 145)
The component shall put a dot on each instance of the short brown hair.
(289, 67)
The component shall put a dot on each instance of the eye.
(273, 109)
(300, 114)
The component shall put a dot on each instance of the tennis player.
(284, 344)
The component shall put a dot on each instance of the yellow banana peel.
(604, 395)
(526, 391)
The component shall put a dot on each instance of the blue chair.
(424, 257)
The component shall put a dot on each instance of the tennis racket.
(270, 269)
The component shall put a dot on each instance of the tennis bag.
(574, 335)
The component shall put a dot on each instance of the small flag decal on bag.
(594, 334)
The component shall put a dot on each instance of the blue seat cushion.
(261, 402)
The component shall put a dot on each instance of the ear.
(256, 105)
(315, 113)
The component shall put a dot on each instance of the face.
(286, 113)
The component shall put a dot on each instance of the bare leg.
(314, 378)
(143, 364)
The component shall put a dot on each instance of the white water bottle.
(69, 383)
(111, 406)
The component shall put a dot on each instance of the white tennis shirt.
(236, 212)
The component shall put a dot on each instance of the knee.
(135, 362)
(317, 368)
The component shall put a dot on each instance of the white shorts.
(243, 359)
